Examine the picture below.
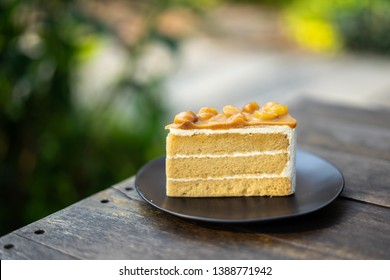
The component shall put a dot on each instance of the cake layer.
(204, 167)
(277, 186)
(222, 143)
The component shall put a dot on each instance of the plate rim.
(239, 221)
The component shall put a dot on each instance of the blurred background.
(86, 87)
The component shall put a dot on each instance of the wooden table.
(117, 224)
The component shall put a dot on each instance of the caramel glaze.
(238, 118)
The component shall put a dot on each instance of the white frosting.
(230, 155)
(290, 169)
(245, 176)
(265, 129)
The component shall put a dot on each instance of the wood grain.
(347, 229)
(363, 135)
(357, 141)
(130, 229)
(366, 179)
(379, 117)
(13, 246)
(125, 228)
(128, 189)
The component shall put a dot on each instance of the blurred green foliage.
(53, 151)
(351, 25)
(365, 25)
(334, 25)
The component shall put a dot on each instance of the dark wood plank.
(378, 117)
(129, 229)
(15, 247)
(126, 228)
(357, 141)
(366, 179)
(360, 132)
(128, 189)
(350, 229)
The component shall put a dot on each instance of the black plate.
(318, 184)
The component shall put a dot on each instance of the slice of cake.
(248, 152)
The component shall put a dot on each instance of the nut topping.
(237, 118)
(250, 107)
(230, 110)
(206, 113)
(220, 118)
(279, 109)
(183, 117)
(271, 113)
